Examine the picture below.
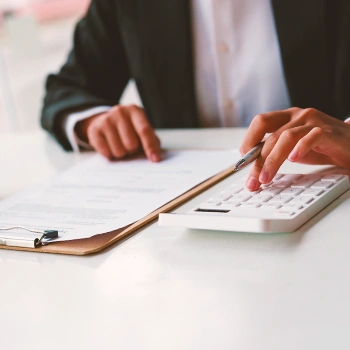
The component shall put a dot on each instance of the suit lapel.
(166, 41)
(302, 28)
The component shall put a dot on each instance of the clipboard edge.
(126, 232)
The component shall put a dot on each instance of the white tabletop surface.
(174, 288)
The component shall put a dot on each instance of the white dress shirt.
(237, 64)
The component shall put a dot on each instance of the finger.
(263, 124)
(284, 137)
(253, 178)
(127, 133)
(312, 140)
(315, 158)
(149, 140)
(113, 139)
(331, 148)
(280, 152)
(99, 143)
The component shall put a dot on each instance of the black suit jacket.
(151, 42)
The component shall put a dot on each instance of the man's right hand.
(122, 131)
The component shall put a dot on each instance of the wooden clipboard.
(98, 243)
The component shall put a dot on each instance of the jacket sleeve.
(96, 71)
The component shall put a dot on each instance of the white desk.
(176, 289)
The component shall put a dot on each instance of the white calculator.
(280, 206)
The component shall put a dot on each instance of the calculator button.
(292, 177)
(233, 189)
(229, 206)
(281, 183)
(247, 205)
(293, 205)
(242, 196)
(271, 190)
(269, 207)
(251, 192)
(280, 199)
(265, 186)
(212, 202)
(238, 189)
(285, 212)
(233, 200)
(210, 206)
(260, 198)
(312, 192)
(291, 191)
(332, 177)
(305, 181)
(219, 196)
(302, 199)
(322, 184)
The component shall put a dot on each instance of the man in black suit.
(200, 65)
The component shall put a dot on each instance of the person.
(206, 63)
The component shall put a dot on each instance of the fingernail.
(294, 155)
(155, 157)
(251, 183)
(264, 176)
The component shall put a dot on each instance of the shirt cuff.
(71, 121)
(347, 120)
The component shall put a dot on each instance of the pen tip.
(239, 164)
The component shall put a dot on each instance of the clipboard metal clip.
(25, 241)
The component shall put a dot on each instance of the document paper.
(99, 196)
